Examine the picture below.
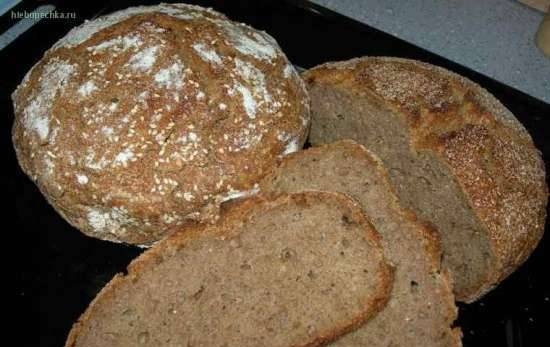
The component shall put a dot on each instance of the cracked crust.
(489, 152)
(142, 120)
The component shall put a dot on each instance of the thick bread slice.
(421, 309)
(455, 155)
(287, 270)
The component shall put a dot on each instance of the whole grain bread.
(139, 121)
(454, 153)
(286, 270)
(421, 309)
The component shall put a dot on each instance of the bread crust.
(490, 154)
(234, 213)
(142, 120)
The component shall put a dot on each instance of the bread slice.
(421, 309)
(455, 155)
(287, 270)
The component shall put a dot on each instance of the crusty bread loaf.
(287, 270)
(455, 155)
(421, 308)
(146, 118)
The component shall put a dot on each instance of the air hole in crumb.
(312, 275)
(287, 254)
(245, 266)
(129, 312)
(296, 217)
(115, 100)
(342, 253)
(199, 292)
(346, 220)
(414, 286)
(340, 116)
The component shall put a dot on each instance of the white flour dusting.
(120, 43)
(248, 100)
(258, 46)
(145, 59)
(54, 79)
(170, 77)
(85, 31)
(250, 74)
(291, 147)
(113, 221)
(87, 88)
(234, 194)
(288, 71)
(207, 54)
(123, 157)
(82, 179)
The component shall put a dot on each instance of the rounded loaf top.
(147, 118)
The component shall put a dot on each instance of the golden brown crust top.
(234, 214)
(149, 117)
(490, 153)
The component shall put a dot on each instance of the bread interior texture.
(423, 183)
(421, 304)
(284, 276)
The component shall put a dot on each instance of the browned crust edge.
(232, 214)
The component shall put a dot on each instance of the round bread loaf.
(150, 117)
(455, 155)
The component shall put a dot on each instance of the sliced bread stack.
(421, 309)
(287, 270)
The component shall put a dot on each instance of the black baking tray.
(58, 270)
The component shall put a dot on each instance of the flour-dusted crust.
(234, 215)
(147, 118)
(490, 153)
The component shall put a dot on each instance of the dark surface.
(58, 270)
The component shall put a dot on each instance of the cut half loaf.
(455, 155)
(421, 309)
(288, 270)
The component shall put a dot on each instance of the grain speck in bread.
(455, 154)
(286, 270)
(421, 309)
(141, 120)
